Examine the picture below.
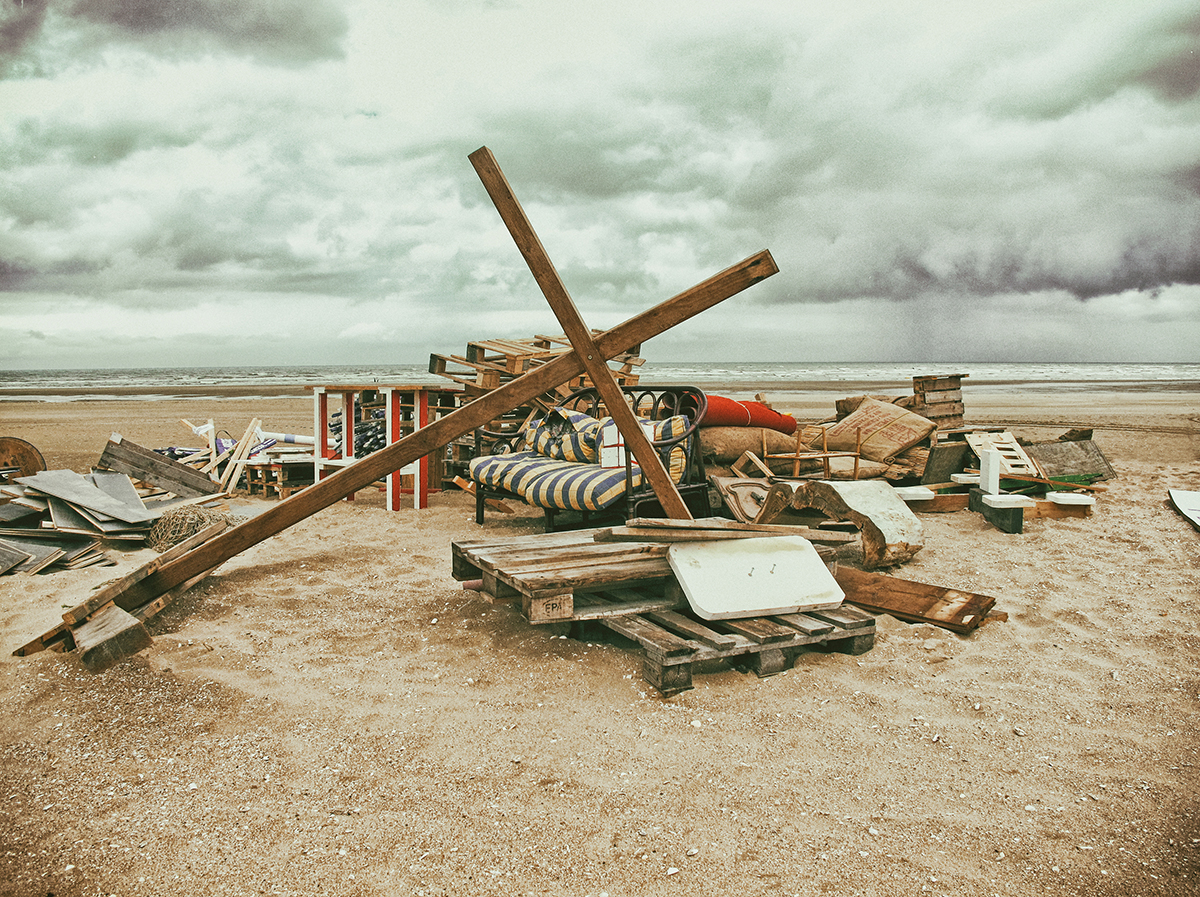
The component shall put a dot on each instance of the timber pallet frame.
(629, 588)
(675, 645)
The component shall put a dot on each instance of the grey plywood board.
(72, 487)
(1067, 459)
(753, 577)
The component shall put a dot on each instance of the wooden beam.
(577, 331)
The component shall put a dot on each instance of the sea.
(68, 385)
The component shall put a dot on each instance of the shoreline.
(846, 387)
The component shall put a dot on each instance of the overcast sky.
(286, 181)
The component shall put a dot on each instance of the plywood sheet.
(753, 577)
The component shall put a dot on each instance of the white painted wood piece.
(965, 479)
(915, 493)
(1013, 457)
(1071, 498)
(753, 577)
(989, 470)
(1009, 501)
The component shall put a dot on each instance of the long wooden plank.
(477, 413)
(123, 591)
(577, 331)
(553, 581)
(654, 639)
(686, 626)
(913, 601)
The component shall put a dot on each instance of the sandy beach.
(332, 713)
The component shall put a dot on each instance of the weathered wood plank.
(144, 464)
(914, 602)
(110, 635)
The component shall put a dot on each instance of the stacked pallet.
(939, 398)
(489, 364)
(630, 588)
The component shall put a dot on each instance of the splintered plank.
(913, 601)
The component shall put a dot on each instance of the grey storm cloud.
(879, 158)
(287, 32)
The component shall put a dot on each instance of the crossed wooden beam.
(108, 625)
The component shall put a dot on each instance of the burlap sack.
(724, 445)
(886, 430)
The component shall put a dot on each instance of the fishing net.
(178, 524)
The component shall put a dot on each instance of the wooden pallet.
(548, 572)
(1013, 459)
(628, 587)
(675, 645)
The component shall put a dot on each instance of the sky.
(286, 182)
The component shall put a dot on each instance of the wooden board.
(72, 487)
(753, 577)
(11, 556)
(1060, 459)
(945, 459)
(914, 602)
(149, 466)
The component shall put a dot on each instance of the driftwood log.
(891, 533)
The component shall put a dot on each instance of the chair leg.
(479, 504)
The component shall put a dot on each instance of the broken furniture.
(558, 462)
(630, 588)
(407, 409)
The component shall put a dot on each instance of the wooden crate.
(939, 399)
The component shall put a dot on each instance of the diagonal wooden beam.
(580, 335)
